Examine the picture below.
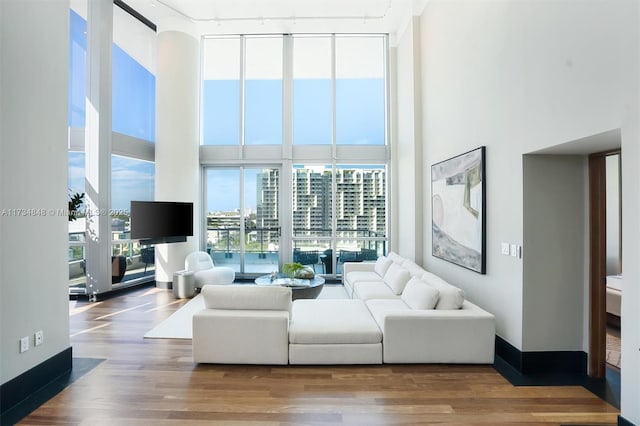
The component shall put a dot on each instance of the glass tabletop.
(283, 280)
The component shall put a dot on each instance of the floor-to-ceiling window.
(313, 110)
(133, 135)
(242, 228)
(133, 112)
(131, 179)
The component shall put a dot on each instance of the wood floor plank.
(154, 381)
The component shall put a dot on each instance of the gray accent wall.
(34, 58)
(555, 269)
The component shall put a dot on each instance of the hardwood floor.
(154, 381)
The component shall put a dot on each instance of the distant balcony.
(139, 267)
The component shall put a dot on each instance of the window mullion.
(286, 176)
(334, 155)
(243, 53)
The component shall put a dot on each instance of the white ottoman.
(327, 331)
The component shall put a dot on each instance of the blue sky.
(359, 112)
(223, 189)
(131, 179)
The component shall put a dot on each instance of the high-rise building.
(360, 205)
(267, 211)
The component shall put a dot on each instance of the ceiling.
(204, 17)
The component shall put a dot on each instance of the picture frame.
(458, 210)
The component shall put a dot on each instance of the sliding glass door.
(339, 213)
(242, 218)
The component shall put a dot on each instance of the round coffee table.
(300, 289)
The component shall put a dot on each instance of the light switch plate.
(505, 249)
(24, 344)
(514, 250)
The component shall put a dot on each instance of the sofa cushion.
(359, 276)
(450, 297)
(396, 278)
(414, 269)
(239, 296)
(373, 290)
(382, 265)
(329, 321)
(379, 308)
(395, 257)
(420, 295)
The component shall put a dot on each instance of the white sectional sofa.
(398, 313)
(423, 318)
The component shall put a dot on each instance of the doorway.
(605, 268)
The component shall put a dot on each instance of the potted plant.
(75, 202)
(297, 270)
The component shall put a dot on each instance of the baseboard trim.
(624, 422)
(21, 387)
(542, 362)
(164, 285)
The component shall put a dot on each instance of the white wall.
(408, 200)
(520, 77)
(177, 143)
(33, 175)
(516, 77)
(630, 328)
(630, 242)
(613, 214)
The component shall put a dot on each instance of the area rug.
(178, 325)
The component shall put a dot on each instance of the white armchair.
(205, 272)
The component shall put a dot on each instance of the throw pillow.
(382, 265)
(420, 295)
(414, 269)
(396, 278)
(450, 297)
(395, 257)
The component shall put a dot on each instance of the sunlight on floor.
(74, 309)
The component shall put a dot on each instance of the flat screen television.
(159, 222)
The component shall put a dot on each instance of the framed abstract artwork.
(458, 200)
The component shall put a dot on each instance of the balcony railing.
(261, 247)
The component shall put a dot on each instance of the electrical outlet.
(505, 249)
(24, 344)
(514, 250)
(38, 338)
